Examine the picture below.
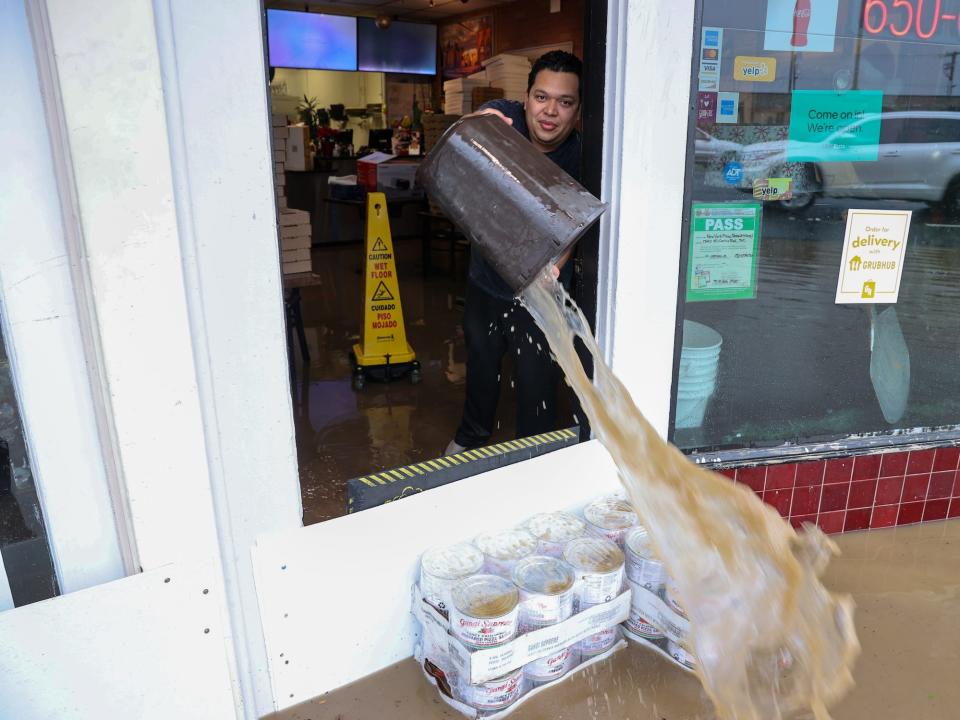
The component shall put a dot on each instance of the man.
(494, 322)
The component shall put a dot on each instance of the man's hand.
(491, 111)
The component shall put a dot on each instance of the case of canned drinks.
(516, 611)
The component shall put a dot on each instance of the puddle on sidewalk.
(906, 586)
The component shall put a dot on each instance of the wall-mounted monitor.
(403, 47)
(311, 40)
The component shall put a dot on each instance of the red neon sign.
(915, 19)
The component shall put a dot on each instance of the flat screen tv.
(311, 41)
(404, 47)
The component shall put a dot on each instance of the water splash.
(771, 640)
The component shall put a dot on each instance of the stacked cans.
(645, 573)
(677, 651)
(599, 565)
(503, 549)
(512, 582)
(546, 598)
(610, 517)
(484, 613)
(441, 568)
(554, 530)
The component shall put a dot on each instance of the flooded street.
(907, 591)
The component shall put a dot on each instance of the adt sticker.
(732, 173)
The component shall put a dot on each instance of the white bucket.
(699, 361)
(700, 340)
(696, 386)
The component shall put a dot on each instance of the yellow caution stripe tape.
(447, 461)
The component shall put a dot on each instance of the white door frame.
(160, 128)
(43, 328)
(645, 146)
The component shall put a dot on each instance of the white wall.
(649, 69)
(329, 87)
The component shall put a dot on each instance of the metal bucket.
(519, 209)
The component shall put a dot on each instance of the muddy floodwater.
(906, 585)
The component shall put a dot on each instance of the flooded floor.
(906, 585)
(343, 433)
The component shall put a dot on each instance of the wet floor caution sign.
(383, 349)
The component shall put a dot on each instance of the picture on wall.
(465, 45)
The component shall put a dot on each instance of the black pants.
(493, 327)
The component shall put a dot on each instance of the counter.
(335, 222)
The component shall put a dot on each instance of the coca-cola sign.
(801, 25)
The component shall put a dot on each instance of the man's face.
(552, 108)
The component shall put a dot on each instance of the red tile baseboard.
(861, 492)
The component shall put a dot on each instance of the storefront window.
(821, 272)
(26, 570)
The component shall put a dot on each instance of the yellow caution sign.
(383, 340)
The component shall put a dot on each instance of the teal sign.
(827, 126)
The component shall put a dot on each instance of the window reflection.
(857, 117)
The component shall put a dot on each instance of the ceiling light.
(383, 21)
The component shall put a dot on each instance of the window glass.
(810, 114)
(24, 551)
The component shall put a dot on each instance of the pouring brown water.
(771, 641)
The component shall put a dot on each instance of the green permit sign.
(722, 257)
(827, 126)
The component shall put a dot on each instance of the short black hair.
(557, 61)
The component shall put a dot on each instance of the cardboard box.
(290, 216)
(281, 202)
(281, 145)
(279, 156)
(296, 243)
(300, 266)
(441, 650)
(296, 255)
(278, 120)
(279, 134)
(295, 231)
(297, 149)
(380, 172)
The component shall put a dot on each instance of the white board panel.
(335, 597)
(147, 646)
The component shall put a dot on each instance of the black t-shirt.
(567, 156)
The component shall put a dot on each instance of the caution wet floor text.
(383, 338)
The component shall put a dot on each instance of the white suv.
(918, 159)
